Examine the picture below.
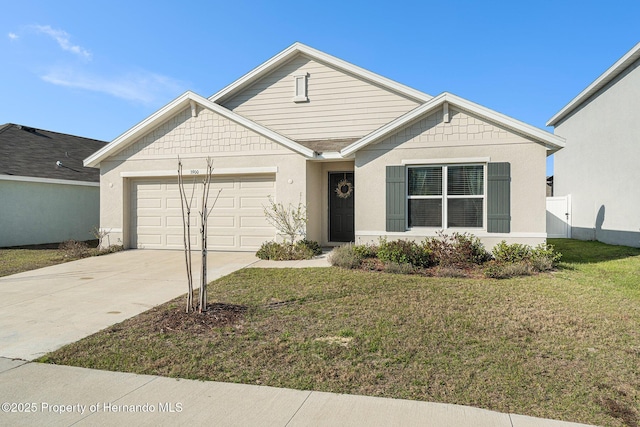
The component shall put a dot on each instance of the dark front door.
(341, 194)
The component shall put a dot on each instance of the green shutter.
(499, 198)
(396, 198)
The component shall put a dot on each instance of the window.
(300, 90)
(450, 196)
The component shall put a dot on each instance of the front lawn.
(14, 261)
(563, 345)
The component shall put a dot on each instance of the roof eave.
(548, 140)
(612, 72)
(175, 106)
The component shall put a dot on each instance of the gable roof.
(299, 48)
(178, 105)
(606, 77)
(30, 152)
(552, 142)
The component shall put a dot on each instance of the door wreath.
(344, 189)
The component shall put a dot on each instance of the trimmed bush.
(544, 257)
(459, 249)
(74, 249)
(404, 252)
(303, 249)
(512, 253)
(345, 257)
(366, 251)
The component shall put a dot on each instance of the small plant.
(511, 253)
(458, 249)
(303, 249)
(344, 256)
(73, 249)
(290, 221)
(366, 251)
(404, 252)
(311, 245)
(544, 257)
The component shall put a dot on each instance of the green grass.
(14, 261)
(564, 345)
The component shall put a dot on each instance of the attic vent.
(300, 93)
(28, 129)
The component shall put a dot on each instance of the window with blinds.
(450, 194)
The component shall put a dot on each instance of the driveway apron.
(42, 310)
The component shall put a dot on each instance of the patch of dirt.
(620, 411)
(217, 315)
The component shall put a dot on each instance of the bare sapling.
(186, 232)
(204, 216)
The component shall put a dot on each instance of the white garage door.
(236, 223)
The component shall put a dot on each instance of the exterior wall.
(38, 212)
(599, 165)
(340, 105)
(465, 137)
(234, 150)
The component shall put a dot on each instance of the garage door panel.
(236, 223)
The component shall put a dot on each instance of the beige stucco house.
(598, 168)
(369, 157)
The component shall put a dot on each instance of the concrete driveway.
(42, 310)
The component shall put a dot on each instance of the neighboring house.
(46, 194)
(599, 168)
(369, 158)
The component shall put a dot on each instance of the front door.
(341, 207)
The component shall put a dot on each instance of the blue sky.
(96, 68)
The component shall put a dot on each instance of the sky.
(97, 68)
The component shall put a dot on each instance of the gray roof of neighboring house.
(26, 151)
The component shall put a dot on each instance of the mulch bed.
(217, 315)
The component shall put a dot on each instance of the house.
(599, 166)
(46, 194)
(369, 157)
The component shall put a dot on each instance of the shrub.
(311, 245)
(366, 251)
(404, 252)
(398, 268)
(449, 272)
(344, 256)
(500, 270)
(512, 253)
(459, 249)
(303, 249)
(74, 249)
(544, 257)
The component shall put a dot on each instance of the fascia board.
(153, 120)
(613, 71)
(550, 141)
(172, 108)
(296, 48)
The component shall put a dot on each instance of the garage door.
(236, 223)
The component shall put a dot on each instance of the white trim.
(613, 71)
(300, 96)
(196, 172)
(299, 48)
(48, 180)
(111, 230)
(446, 161)
(552, 142)
(427, 232)
(173, 108)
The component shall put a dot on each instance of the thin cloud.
(13, 36)
(63, 39)
(141, 86)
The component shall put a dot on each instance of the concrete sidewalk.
(64, 396)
